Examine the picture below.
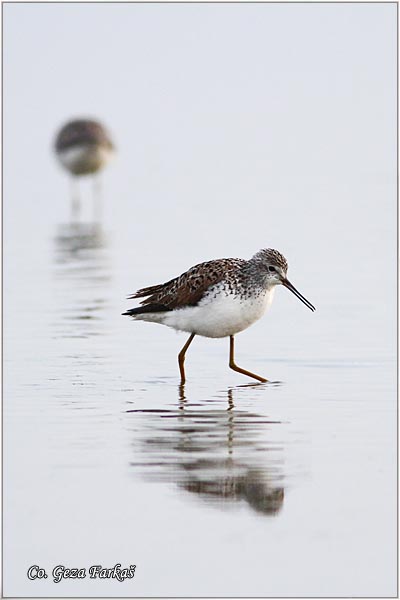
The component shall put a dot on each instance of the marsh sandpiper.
(83, 147)
(216, 299)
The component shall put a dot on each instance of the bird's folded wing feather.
(188, 288)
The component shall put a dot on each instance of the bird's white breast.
(84, 159)
(221, 315)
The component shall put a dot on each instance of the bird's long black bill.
(291, 287)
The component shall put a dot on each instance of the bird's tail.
(149, 308)
(150, 291)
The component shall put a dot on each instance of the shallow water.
(218, 487)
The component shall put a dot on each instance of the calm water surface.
(220, 487)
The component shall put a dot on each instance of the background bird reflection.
(75, 241)
(82, 277)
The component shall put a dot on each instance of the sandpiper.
(83, 147)
(216, 299)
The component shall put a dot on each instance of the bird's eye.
(271, 269)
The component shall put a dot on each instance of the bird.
(216, 299)
(83, 147)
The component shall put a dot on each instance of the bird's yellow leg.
(235, 367)
(181, 357)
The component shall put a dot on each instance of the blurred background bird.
(84, 147)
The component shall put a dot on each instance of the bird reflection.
(82, 274)
(75, 241)
(222, 456)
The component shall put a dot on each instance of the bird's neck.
(255, 274)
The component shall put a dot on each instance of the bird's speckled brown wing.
(188, 288)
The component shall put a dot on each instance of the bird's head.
(274, 267)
